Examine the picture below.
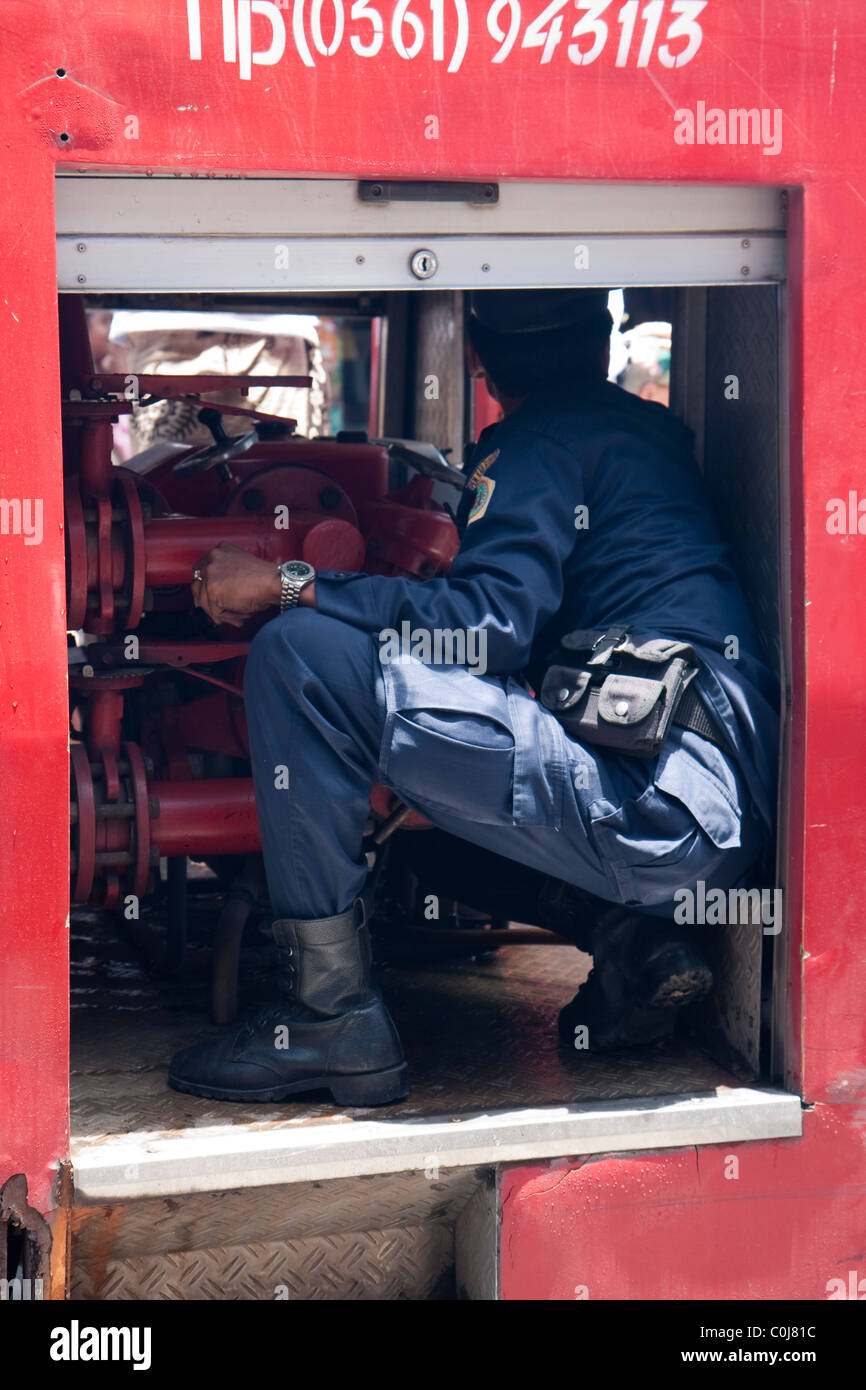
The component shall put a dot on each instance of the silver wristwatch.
(295, 575)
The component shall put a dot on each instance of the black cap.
(538, 311)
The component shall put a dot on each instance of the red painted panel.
(744, 1221)
(133, 96)
(34, 780)
(466, 102)
(834, 828)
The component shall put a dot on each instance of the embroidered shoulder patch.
(483, 494)
(478, 473)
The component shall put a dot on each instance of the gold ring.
(197, 574)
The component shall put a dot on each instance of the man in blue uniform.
(583, 511)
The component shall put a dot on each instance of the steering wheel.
(224, 448)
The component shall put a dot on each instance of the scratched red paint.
(782, 1221)
(132, 97)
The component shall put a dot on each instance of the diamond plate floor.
(410, 1263)
(479, 1035)
(385, 1238)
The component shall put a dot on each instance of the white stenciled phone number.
(635, 33)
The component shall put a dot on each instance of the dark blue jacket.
(645, 552)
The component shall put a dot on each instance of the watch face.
(297, 569)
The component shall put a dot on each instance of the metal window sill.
(219, 1158)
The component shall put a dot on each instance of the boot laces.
(279, 1011)
(269, 1014)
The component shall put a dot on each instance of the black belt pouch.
(617, 690)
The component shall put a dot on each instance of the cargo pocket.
(647, 846)
(673, 833)
(448, 743)
(696, 773)
(475, 746)
(452, 761)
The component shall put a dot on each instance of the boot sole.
(678, 980)
(366, 1088)
(686, 987)
(678, 976)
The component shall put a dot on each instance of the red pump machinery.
(142, 781)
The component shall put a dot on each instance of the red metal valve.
(123, 823)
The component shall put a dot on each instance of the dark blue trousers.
(481, 759)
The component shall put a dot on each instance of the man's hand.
(235, 584)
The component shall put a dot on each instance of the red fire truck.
(374, 162)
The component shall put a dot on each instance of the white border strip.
(277, 264)
(123, 205)
(238, 1156)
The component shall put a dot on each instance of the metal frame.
(325, 263)
(216, 242)
(316, 235)
(278, 206)
(210, 1159)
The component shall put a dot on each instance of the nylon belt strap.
(692, 714)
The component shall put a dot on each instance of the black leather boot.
(644, 971)
(570, 912)
(329, 1030)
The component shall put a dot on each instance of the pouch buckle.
(609, 641)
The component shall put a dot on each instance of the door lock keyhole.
(424, 264)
